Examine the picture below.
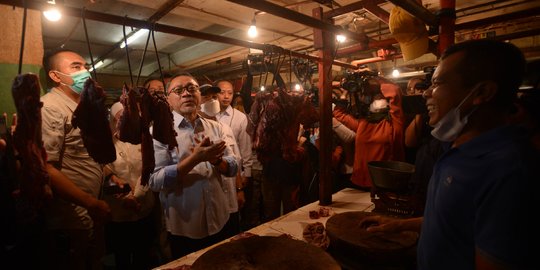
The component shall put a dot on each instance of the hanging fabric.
(88, 44)
(22, 38)
(127, 51)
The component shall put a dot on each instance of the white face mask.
(451, 125)
(378, 105)
(211, 107)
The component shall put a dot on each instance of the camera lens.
(351, 86)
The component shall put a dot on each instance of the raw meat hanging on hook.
(32, 174)
(147, 144)
(91, 116)
(163, 127)
(129, 125)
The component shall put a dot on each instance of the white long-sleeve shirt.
(238, 122)
(128, 165)
(195, 206)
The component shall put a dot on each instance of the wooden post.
(447, 24)
(325, 42)
(10, 45)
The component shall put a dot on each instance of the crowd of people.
(476, 148)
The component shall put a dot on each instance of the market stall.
(294, 222)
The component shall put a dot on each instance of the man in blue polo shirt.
(479, 208)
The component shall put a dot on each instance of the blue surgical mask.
(79, 78)
(451, 125)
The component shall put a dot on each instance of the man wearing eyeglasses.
(189, 178)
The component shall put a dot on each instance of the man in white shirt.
(209, 108)
(238, 122)
(189, 178)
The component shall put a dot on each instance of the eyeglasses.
(191, 88)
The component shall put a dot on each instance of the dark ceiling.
(208, 37)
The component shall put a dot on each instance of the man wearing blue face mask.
(75, 217)
(482, 192)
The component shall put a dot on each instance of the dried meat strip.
(91, 117)
(32, 174)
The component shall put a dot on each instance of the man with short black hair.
(75, 216)
(238, 122)
(189, 178)
(483, 188)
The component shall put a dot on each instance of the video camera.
(357, 81)
(361, 86)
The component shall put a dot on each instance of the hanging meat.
(147, 144)
(162, 116)
(91, 117)
(276, 118)
(129, 125)
(32, 174)
(143, 110)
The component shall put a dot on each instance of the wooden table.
(294, 222)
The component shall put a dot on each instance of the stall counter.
(294, 222)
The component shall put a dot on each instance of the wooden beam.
(164, 10)
(160, 13)
(349, 8)
(504, 17)
(119, 20)
(362, 47)
(372, 7)
(300, 18)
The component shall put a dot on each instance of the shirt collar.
(181, 121)
(228, 110)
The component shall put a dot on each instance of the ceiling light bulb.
(252, 31)
(297, 87)
(262, 88)
(52, 14)
(395, 73)
(341, 38)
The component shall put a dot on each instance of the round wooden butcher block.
(266, 252)
(355, 248)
